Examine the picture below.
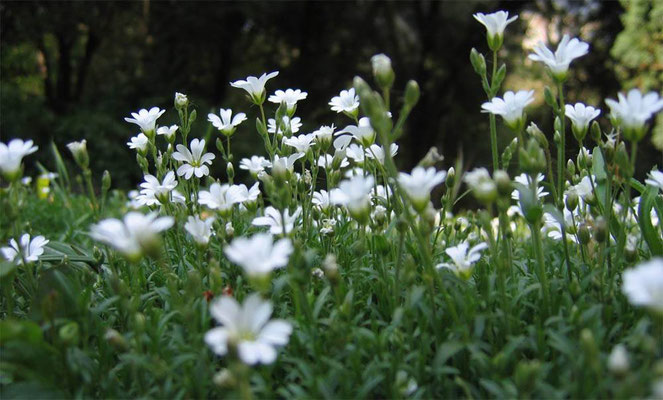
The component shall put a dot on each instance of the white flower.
(255, 164)
(248, 329)
(510, 107)
(567, 51)
(146, 120)
(11, 156)
(327, 161)
(552, 228)
(356, 153)
(584, 187)
(377, 152)
(633, 110)
(200, 230)
(248, 194)
(322, 199)
(288, 126)
(259, 255)
(78, 149)
(323, 135)
(283, 165)
(139, 142)
(221, 197)
(156, 192)
(226, 123)
(655, 179)
(290, 97)
(496, 22)
(301, 143)
(347, 101)
(483, 187)
(28, 250)
(255, 87)
(181, 100)
(523, 179)
(194, 160)
(462, 259)
(362, 132)
(277, 223)
(354, 194)
(167, 131)
(643, 285)
(580, 116)
(134, 234)
(618, 360)
(419, 184)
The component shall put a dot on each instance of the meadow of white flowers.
(330, 273)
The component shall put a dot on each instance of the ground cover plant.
(329, 273)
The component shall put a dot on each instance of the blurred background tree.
(73, 70)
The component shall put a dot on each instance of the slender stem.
(493, 126)
(540, 263)
(561, 157)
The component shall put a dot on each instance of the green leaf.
(498, 78)
(446, 351)
(6, 270)
(650, 233)
(26, 331)
(63, 173)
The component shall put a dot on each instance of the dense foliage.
(330, 274)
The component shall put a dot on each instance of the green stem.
(540, 263)
(493, 126)
(561, 157)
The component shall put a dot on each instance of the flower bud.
(571, 200)
(115, 339)
(230, 231)
(412, 94)
(69, 333)
(532, 158)
(79, 152)
(331, 268)
(230, 170)
(451, 177)
(478, 62)
(504, 186)
(382, 71)
(570, 167)
(181, 101)
(224, 379)
(583, 234)
(105, 181)
(618, 362)
(600, 230)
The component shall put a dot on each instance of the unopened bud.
(382, 71)
(600, 230)
(230, 170)
(105, 181)
(69, 333)
(571, 200)
(504, 186)
(115, 339)
(181, 101)
(618, 362)
(412, 93)
(451, 177)
(331, 268)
